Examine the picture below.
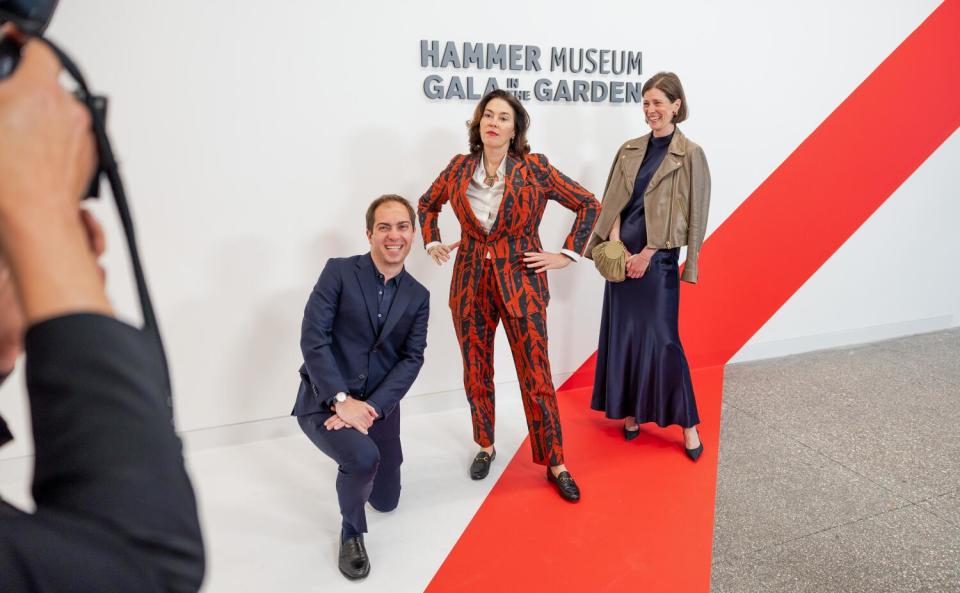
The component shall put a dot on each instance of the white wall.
(253, 135)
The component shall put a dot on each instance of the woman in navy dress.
(656, 201)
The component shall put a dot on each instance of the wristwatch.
(339, 398)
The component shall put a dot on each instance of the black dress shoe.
(630, 434)
(481, 464)
(695, 453)
(565, 485)
(354, 563)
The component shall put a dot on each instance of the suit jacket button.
(374, 350)
(363, 376)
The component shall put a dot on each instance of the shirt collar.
(380, 277)
(480, 174)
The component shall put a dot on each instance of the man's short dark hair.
(372, 209)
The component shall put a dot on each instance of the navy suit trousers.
(369, 464)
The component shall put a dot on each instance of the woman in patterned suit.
(498, 192)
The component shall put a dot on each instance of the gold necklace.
(488, 179)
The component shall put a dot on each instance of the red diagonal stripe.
(646, 520)
(775, 241)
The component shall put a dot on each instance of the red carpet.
(646, 520)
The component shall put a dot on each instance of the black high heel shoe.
(628, 434)
(695, 453)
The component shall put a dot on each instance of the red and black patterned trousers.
(528, 341)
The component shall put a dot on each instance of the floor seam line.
(832, 460)
(838, 526)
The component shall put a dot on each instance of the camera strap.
(108, 166)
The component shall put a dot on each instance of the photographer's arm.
(46, 161)
(114, 503)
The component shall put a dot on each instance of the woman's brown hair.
(521, 123)
(669, 84)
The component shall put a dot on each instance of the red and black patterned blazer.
(530, 182)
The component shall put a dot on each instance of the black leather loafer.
(354, 563)
(481, 464)
(565, 485)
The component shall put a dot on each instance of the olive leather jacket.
(675, 203)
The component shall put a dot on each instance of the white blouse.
(484, 200)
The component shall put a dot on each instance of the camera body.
(31, 17)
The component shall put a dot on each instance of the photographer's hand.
(12, 322)
(47, 158)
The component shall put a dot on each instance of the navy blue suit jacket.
(342, 350)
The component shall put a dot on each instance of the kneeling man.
(363, 336)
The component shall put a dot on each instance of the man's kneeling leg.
(386, 485)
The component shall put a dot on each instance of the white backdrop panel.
(253, 136)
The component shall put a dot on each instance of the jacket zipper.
(673, 198)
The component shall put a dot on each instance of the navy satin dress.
(641, 368)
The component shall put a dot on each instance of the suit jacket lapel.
(461, 201)
(368, 287)
(397, 308)
(513, 181)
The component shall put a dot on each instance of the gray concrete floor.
(840, 471)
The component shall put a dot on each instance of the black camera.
(31, 17)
